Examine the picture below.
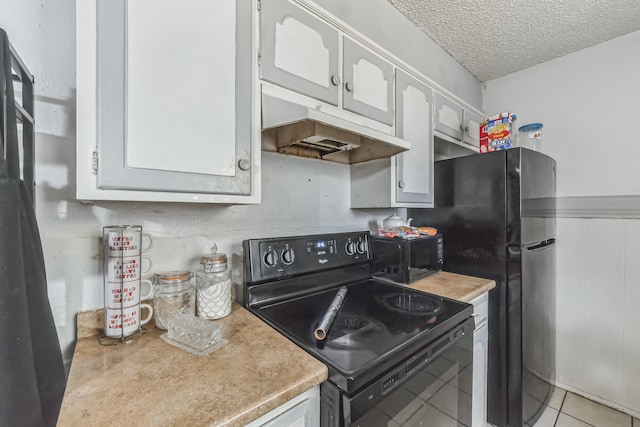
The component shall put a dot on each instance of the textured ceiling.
(493, 38)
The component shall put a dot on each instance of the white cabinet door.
(448, 117)
(480, 360)
(368, 83)
(414, 122)
(479, 394)
(298, 51)
(173, 92)
(404, 180)
(471, 128)
(300, 415)
(301, 411)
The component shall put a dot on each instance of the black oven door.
(430, 388)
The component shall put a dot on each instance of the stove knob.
(271, 259)
(288, 256)
(350, 248)
(362, 247)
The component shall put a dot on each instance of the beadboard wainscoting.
(598, 320)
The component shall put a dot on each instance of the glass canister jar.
(213, 283)
(174, 294)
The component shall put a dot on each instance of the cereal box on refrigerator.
(497, 132)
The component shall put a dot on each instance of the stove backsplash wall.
(300, 196)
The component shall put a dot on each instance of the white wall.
(588, 103)
(299, 195)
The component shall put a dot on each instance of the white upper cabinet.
(457, 128)
(299, 51)
(404, 180)
(471, 128)
(448, 117)
(368, 83)
(414, 102)
(166, 108)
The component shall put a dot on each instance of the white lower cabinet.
(480, 357)
(301, 411)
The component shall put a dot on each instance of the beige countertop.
(454, 286)
(150, 382)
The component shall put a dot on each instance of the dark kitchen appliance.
(498, 212)
(407, 260)
(395, 356)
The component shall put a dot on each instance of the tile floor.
(567, 409)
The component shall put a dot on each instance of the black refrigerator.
(496, 212)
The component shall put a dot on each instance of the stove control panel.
(274, 258)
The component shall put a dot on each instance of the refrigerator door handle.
(541, 245)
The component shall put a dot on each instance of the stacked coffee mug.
(123, 249)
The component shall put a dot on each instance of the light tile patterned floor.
(567, 409)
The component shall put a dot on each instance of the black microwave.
(407, 260)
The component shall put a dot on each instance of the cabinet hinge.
(259, 5)
(259, 58)
(94, 162)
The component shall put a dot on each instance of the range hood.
(291, 127)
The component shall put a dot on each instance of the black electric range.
(382, 332)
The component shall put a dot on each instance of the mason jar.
(174, 294)
(213, 282)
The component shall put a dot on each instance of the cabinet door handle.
(335, 80)
(348, 86)
(244, 164)
(400, 184)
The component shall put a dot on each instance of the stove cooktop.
(290, 283)
(378, 325)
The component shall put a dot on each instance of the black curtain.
(32, 376)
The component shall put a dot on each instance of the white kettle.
(393, 221)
